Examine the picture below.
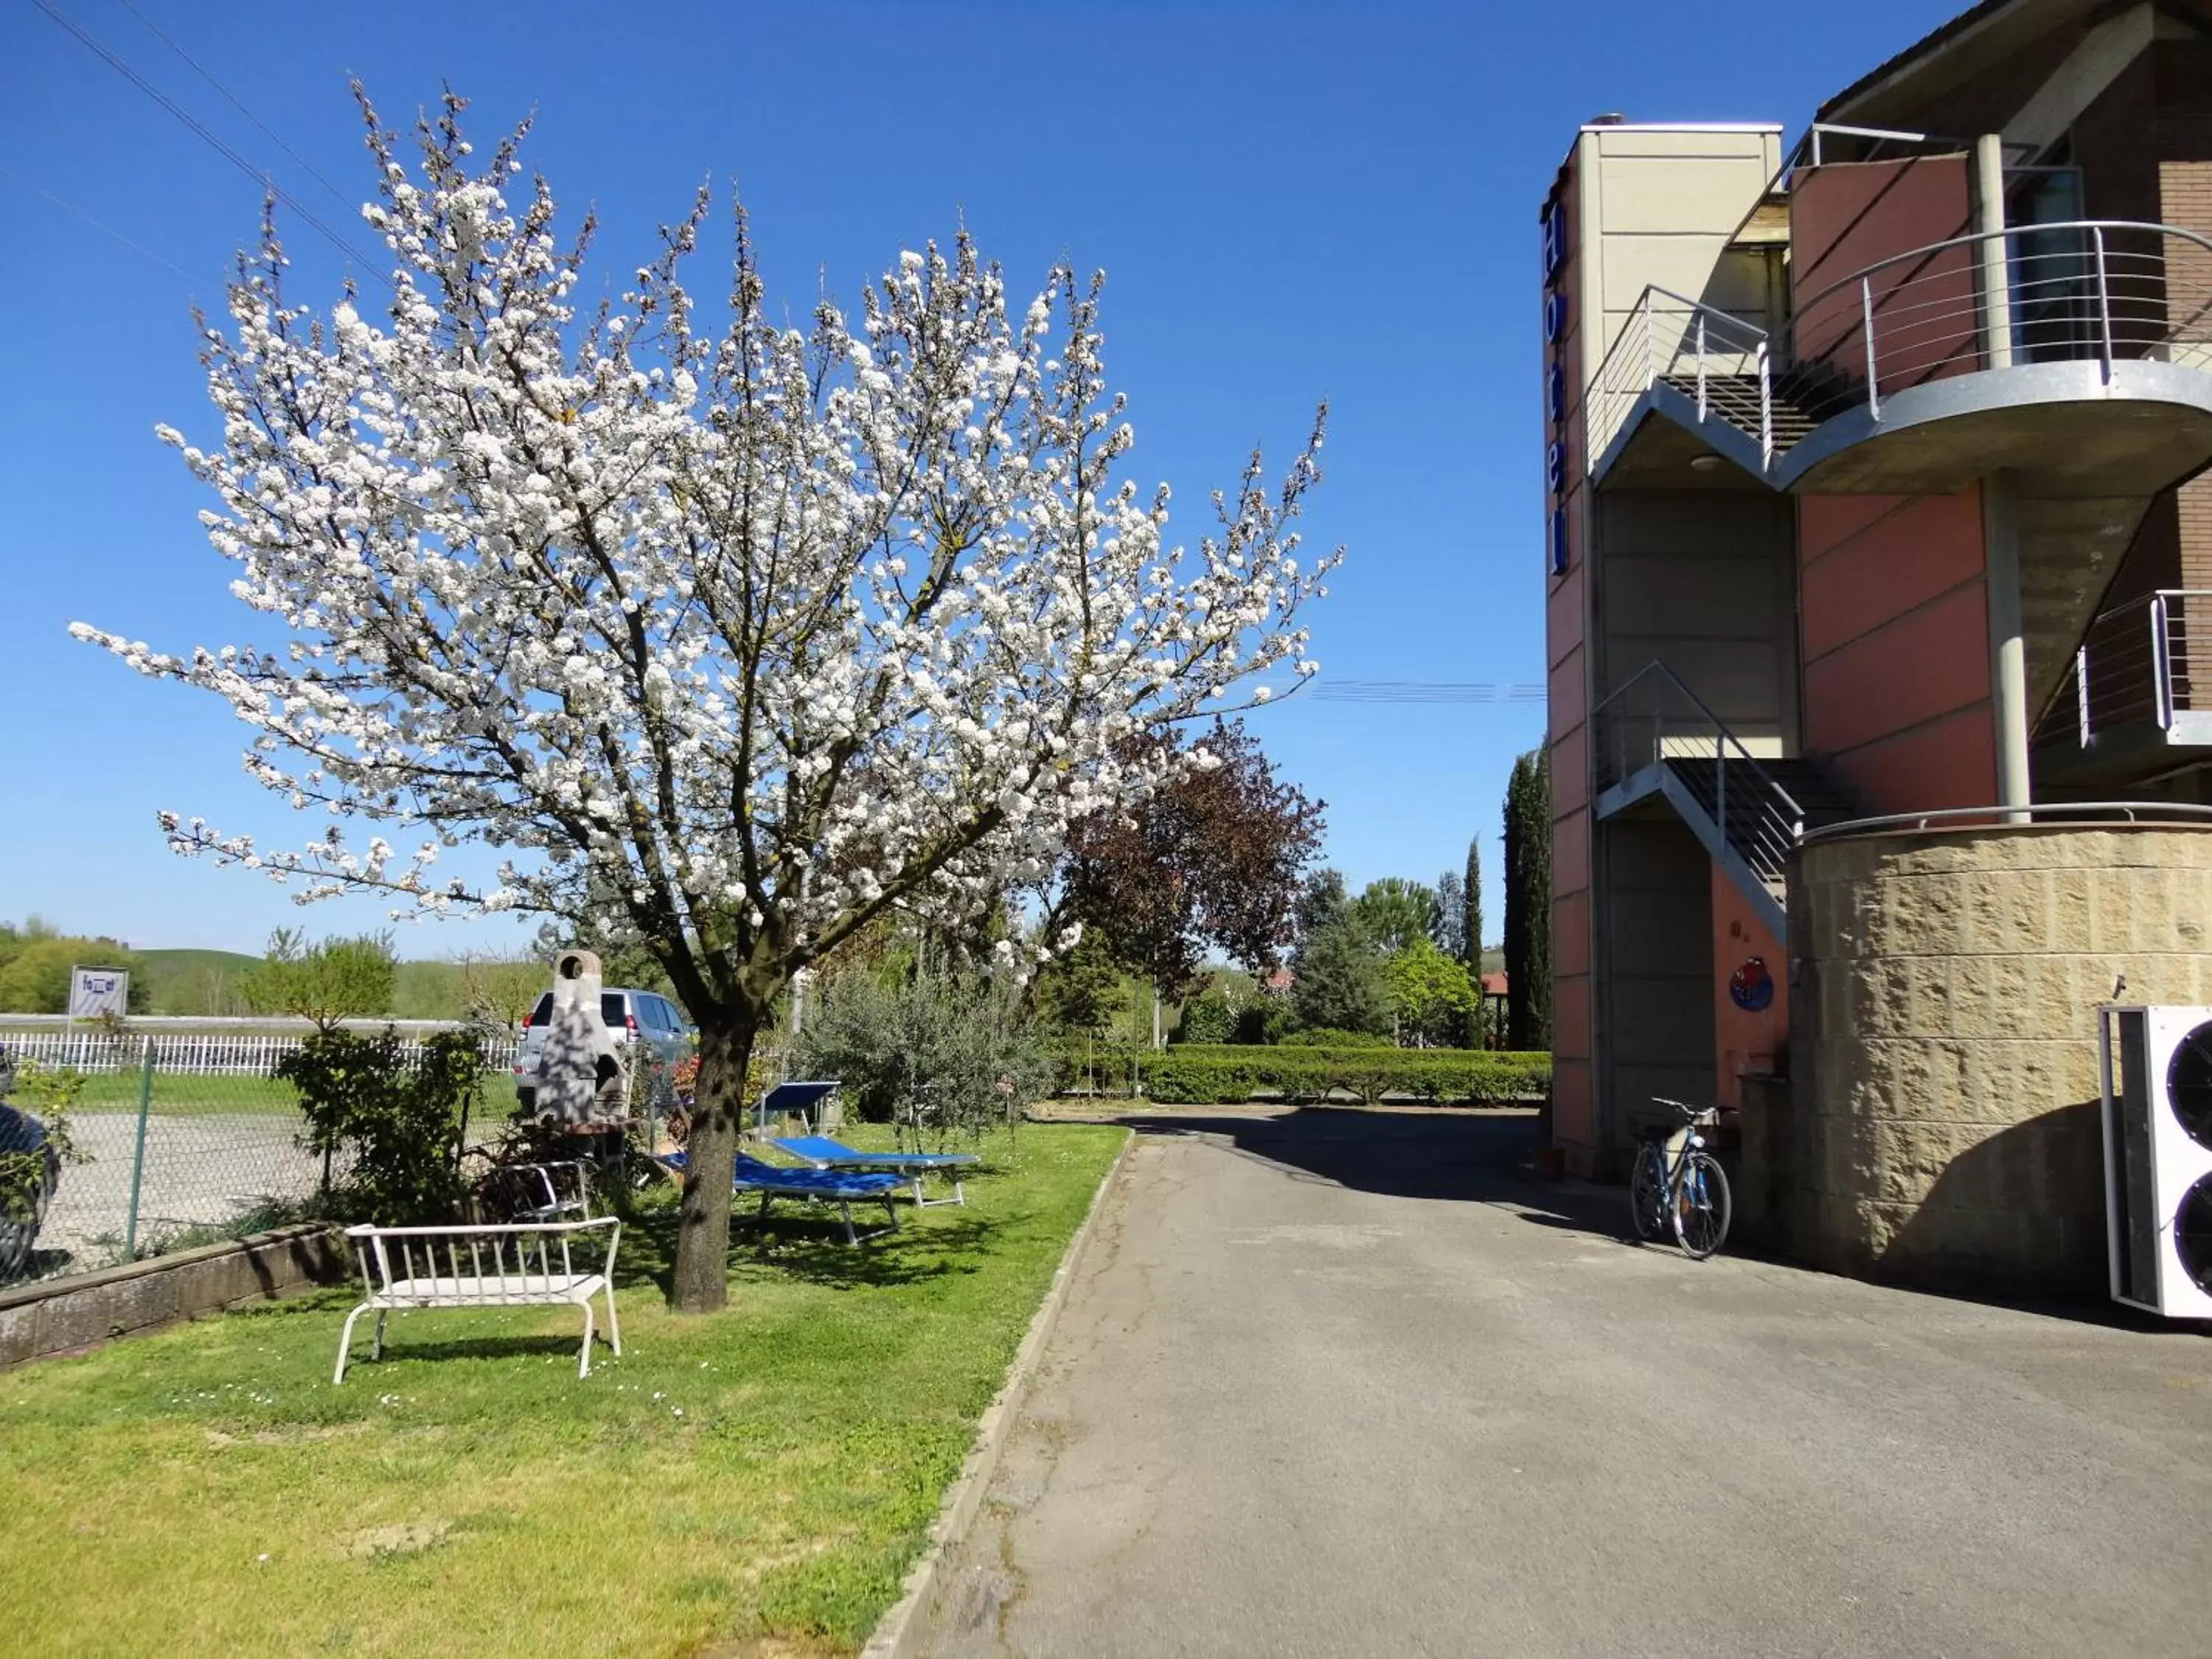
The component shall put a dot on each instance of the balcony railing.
(2104, 291)
(2138, 668)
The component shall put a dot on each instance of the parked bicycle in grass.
(1679, 1184)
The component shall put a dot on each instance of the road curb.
(898, 1633)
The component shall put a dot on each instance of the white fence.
(206, 1054)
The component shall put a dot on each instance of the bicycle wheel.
(1647, 1192)
(1701, 1207)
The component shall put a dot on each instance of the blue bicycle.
(1677, 1183)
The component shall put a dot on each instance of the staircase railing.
(2136, 664)
(1693, 345)
(1655, 719)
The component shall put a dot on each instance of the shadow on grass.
(401, 1344)
(793, 1244)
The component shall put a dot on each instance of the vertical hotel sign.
(1555, 386)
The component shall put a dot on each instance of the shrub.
(1327, 1036)
(1206, 1019)
(397, 1123)
(35, 979)
(1264, 1020)
(1197, 1075)
(933, 1054)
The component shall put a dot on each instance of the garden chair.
(825, 1152)
(840, 1188)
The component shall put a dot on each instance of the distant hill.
(195, 981)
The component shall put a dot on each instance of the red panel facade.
(1845, 218)
(1895, 622)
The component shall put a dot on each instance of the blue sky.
(1290, 200)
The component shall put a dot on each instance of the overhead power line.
(239, 104)
(76, 212)
(193, 125)
(1423, 691)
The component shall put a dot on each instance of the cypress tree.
(1471, 899)
(1528, 904)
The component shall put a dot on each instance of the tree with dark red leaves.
(1211, 862)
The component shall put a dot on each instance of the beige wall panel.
(1650, 194)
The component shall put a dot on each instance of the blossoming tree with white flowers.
(728, 640)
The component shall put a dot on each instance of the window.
(542, 1013)
(2052, 273)
(613, 1010)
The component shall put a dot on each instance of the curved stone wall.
(1943, 1124)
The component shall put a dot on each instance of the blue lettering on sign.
(1555, 316)
(1555, 386)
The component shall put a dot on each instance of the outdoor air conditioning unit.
(2157, 1066)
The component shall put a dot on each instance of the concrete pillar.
(1988, 218)
(2008, 649)
(2000, 520)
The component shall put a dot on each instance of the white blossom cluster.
(729, 640)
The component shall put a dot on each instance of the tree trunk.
(700, 1283)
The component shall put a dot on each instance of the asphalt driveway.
(1347, 1383)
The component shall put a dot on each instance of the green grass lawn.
(768, 1471)
(194, 1094)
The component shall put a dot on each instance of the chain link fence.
(179, 1139)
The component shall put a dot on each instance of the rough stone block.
(73, 1320)
(18, 1334)
(140, 1304)
(1926, 919)
(2073, 916)
(2010, 1009)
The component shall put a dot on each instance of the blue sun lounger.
(841, 1187)
(824, 1153)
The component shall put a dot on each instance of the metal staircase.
(1655, 737)
(1778, 411)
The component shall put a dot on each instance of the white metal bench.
(512, 1265)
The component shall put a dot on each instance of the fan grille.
(2189, 1084)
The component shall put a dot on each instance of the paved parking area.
(1341, 1383)
(202, 1169)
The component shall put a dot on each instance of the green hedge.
(1210, 1074)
